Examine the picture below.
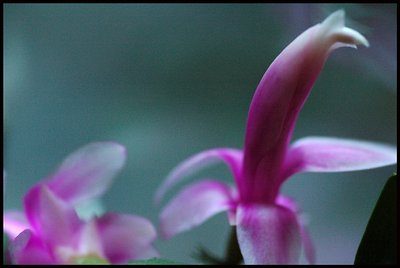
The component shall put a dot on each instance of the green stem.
(233, 256)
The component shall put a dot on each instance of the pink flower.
(268, 225)
(50, 231)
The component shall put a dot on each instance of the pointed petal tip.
(358, 39)
(112, 146)
(88, 171)
(112, 149)
(338, 35)
(332, 154)
(335, 18)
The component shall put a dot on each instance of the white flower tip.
(117, 147)
(339, 35)
(336, 19)
(355, 37)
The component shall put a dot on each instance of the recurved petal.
(268, 234)
(337, 35)
(87, 172)
(231, 157)
(14, 222)
(126, 237)
(54, 221)
(27, 248)
(322, 154)
(195, 204)
(280, 96)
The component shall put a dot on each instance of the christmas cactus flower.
(268, 226)
(50, 230)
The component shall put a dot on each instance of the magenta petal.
(27, 248)
(52, 219)
(232, 157)
(126, 237)
(318, 154)
(88, 172)
(14, 222)
(288, 203)
(194, 205)
(278, 100)
(268, 234)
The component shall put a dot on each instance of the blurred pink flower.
(268, 225)
(50, 231)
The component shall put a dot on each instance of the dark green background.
(169, 80)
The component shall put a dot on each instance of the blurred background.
(170, 80)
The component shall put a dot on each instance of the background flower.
(49, 230)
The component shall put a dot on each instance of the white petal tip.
(338, 35)
(355, 37)
(336, 19)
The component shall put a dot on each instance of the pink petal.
(14, 222)
(54, 221)
(268, 234)
(231, 157)
(87, 172)
(308, 244)
(90, 241)
(278, 100)
(27, 248)
(318, 154)
(126, 237)
(290, 204)
(195, 204)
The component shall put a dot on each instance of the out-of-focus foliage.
(154, 261)
(379, 243)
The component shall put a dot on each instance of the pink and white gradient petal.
(279, 98)
(53, 220)
(308, 245)
(231, 157)
(14, 222)
(268, 234)
(28, 248)
(126, 237)
(324, 154)
(88, 172)
(193, 205)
